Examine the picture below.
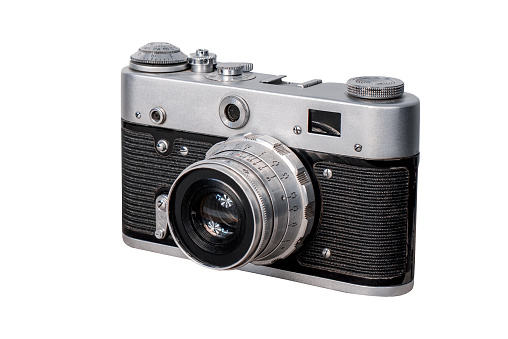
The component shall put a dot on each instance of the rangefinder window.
(323, 122)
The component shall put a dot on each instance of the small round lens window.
(218, 215)
(232, 112)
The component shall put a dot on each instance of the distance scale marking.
(270, 169)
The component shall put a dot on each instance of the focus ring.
(285, 177)
(261, 194)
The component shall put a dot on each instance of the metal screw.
(138, 115)
(184, 151)
(162, 146)
(160, 233)
(297, 130)
(326, 253)
(161, 204)
(327, 173)
(358, 147)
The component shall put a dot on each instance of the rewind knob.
(159, 57)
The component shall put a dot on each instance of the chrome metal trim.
(274, 80)
(385, 129)
(159, 53)
(242, 106)
(161, 219)
(162, 115)
(159, 69)
(162, 146)
(375, 87)
(229, 68)
(390, 291)
(202, 61)
(310, 83)
(230, 78)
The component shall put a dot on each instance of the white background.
(64, 270)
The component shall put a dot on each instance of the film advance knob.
(159, 57)
(374, 87)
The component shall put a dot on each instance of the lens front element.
(218, 215)
(232, 112)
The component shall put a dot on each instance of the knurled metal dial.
(230, 68)
(374, 87)
(247, 66)
(234, 68)
(159, 53)
(232, 72)
(202, 61)
(159, 57)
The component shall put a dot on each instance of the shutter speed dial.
(233, 68)
(232, 72)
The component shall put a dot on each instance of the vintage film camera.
(313, 182)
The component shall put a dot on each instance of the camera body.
(313, 182)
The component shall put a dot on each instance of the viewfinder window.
(323, 122)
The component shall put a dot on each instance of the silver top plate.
(385, 129)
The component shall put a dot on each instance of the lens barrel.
(250, 201)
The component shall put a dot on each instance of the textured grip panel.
(144, 171)
(364, 222)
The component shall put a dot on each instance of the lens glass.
(213, 215)
(217, 214)
(232, 112)
(211, 218)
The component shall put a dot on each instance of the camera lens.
(250, 201)
(211, 218)
(232, 112)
